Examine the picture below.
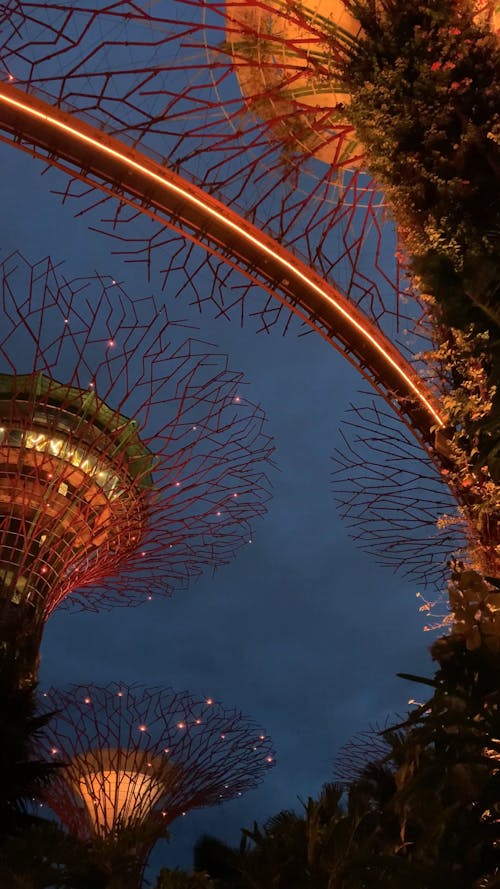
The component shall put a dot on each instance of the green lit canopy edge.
(83, 405)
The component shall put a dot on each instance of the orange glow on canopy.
(271, 48)
(118, 798)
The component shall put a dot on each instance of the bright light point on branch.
(177, 484)
(181, 725)
(111, 343)
(87, 700)
(66, 320)
(53, 751)
(198, 721)
(223, 737)
(120, 694)
(237, 399)
(183, 813)
(218, 512)
(269, 759)
(143, 728)
(209, 701)
(262, 737)
(143, 554)
(166, 750)
(195, 428)
(150, 598)
(235, 494)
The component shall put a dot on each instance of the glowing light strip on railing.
(230, 224)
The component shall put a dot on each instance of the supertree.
(130, 458)
(135, 759)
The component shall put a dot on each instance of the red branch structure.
(136, 757)
(130, 459)
(393, 498)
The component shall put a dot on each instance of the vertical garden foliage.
(424, 81)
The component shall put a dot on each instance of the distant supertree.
(130, 459)
(137, 758)
(376, 747)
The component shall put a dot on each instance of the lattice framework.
(393, 498)
(130, 459)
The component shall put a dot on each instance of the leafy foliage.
(423, 814)
(177, 879)
(22, 776)
(424, 80)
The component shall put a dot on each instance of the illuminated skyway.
(89, 154)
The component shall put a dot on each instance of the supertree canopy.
(137, 757)
(130, 458)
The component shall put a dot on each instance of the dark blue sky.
(302, 632)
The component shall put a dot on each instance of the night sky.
(302, 631)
